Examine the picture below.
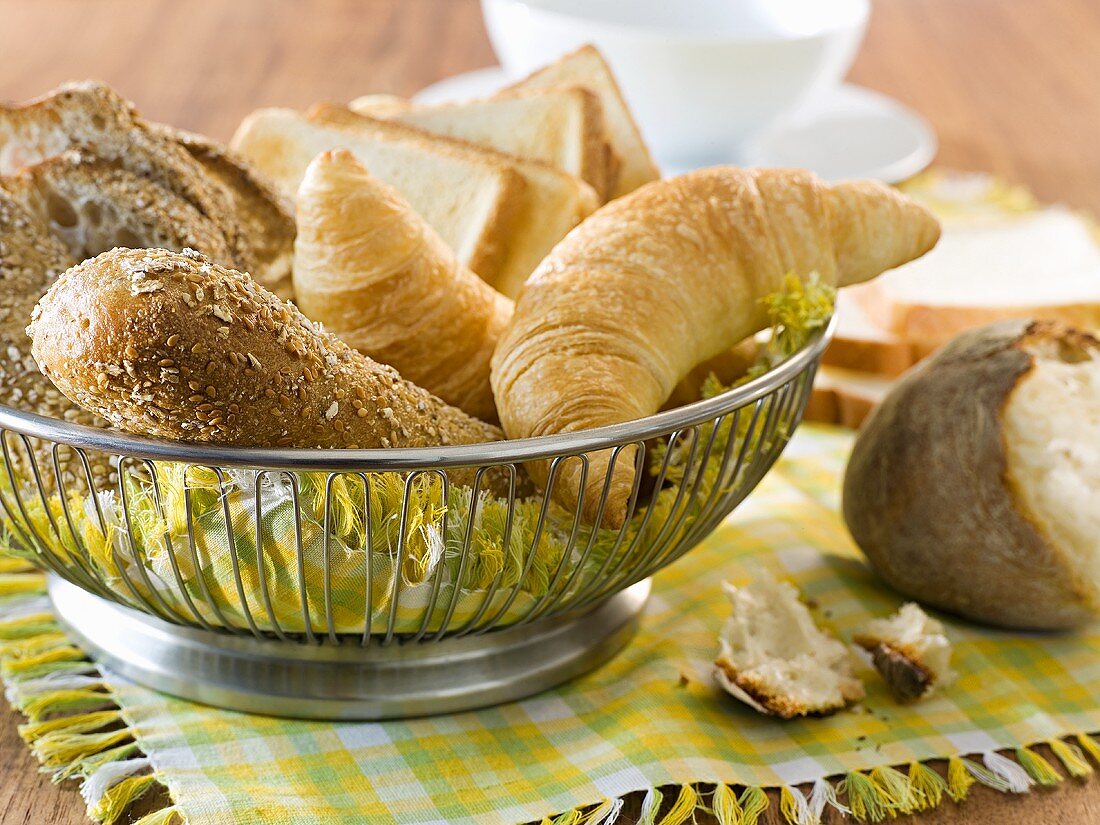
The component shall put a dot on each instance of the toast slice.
(845, 397)
(864, 346)
(1043, 265)
(586, 67)
(470, 199)
(550, 204)
(562, 126)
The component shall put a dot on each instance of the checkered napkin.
(652, 718)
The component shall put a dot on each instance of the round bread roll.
(975, 486)
(172, 345)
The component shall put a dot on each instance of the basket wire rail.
(354, 583)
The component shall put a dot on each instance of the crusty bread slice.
(472, 200)
(586, 67)
(562, 126)
(550, 204)
(94, 118)
(93, 205)
(263, 213)
(1043, 265)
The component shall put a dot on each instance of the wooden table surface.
(1010, 85)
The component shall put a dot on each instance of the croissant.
(663, 279)
(174, 346)
(379, 277)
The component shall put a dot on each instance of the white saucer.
(851, 133)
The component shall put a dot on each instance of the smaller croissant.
(664, 278)
(378, 276)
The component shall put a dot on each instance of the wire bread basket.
(372, 583)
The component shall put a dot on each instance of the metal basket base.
(346, 681)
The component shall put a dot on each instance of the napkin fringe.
(76, 729)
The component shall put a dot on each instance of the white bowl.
(701, 76)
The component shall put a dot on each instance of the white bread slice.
(845, 397)
(470, 199)
(380, 105)
(862, 345)
(586, 67)
(562, 126)
(550, 204)
(1043, 265)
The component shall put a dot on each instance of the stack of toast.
(501, 180)
(1002, 255)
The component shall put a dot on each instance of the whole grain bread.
(172, 345)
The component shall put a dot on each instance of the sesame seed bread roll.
(667, 277)
(378, 276)
(174, 346)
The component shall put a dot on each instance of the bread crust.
(663, 279)
(928, 499)
(378, 276)
(172, 345)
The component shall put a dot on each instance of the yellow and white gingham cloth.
(652, 717)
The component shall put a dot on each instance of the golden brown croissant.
(669, 276)
(172, 345)
(378, 276)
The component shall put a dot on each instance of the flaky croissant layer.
(658, 281)
(378, 276)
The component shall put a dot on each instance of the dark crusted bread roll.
(172, 345)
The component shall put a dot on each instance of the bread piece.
(174, 346)
(862, 345)
(562, 126)
(95, 119)
(377, 276)
(586, 67)
(845, 397)
(1043, 265)
(30, 260)
(909, 650)
(471, 200)
(380, 105)
(669, 276)
(263, 213)
(93, 205)
(552, 201)
(975, 486)
(774, 658)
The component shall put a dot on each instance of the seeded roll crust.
(172, 345)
